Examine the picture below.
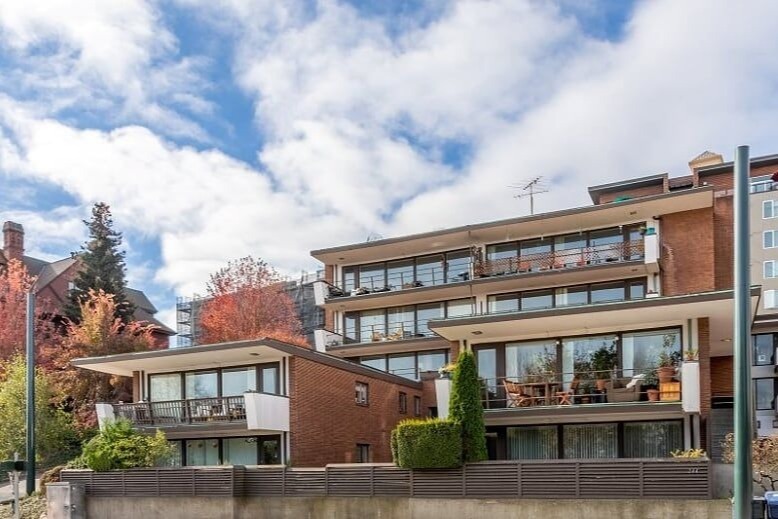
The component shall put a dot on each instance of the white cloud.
(113, 58)
(356, 120)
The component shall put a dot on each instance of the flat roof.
(531, 225)
(224, 354)
(765, 160)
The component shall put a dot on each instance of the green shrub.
(119, 446)
(466, 408)
(427, 444)
(56, 438)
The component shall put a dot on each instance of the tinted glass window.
(537, 300)
(235, 382)
(372, 276)
(374, 362)
(165, 387)
(764, 393)
(457, 266)
(607, 292)
(764, 349)
(572, 296)
(429, 271)
(426, 312)
(403, 365)
(503, 303)
(399, 274)
(202, 384)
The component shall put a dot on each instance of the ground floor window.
(650, 439)
(363, 453)
(251, 450)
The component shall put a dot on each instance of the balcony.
(561, 260)
(377, 337)
(481, 276)
(253, 411)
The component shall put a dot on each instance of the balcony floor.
(604, 412)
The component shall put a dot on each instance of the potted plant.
(691, 355)
(667, 366)
(603, 361)
(650, 383)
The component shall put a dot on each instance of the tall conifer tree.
(102, 266)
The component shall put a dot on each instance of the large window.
(202, 384)
(642, 350)
(240, 451)
(237, 381)
(655, 439)
(533, 443)
(225, 382)
(401, 322)
(530, 359)
(652, 439)
(577, 354)
(408, 365)
(165, 387)
(568, 296)
(764, 349)
(202, 452)
(590, 441)
(764, 393)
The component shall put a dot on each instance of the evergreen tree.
(102, 266)
(466, 409)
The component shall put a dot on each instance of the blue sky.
(217, 129)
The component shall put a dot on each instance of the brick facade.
(687, 252)
(703, 344)
(722, 371)
(326, 422)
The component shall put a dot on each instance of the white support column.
(442, 395)
(105, 414)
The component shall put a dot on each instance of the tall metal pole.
(30, 393)
(742, 340)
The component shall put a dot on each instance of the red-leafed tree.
(247, 300)
(99, 332)
(15, 282)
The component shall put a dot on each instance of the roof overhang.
(581, 320)
(545, 224)
(651, 180)
(225, 354)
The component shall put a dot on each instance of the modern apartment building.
(260, 402)
(641, 278)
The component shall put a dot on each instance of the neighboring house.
(645, 271)
(261, 402)
(54, 281)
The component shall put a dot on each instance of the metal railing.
(576, 388)
(563, 259)
(178, 412)
(635, 478)
(423, 277)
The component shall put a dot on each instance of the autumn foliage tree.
(247, 300)
(99, 332)
(15, 282)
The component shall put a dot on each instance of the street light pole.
(742, 340)
(30, 393)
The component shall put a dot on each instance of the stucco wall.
(400, 508)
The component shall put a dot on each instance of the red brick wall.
(722, 374)
(687, 252)
(724, 235)
(634, 193)
(326, 423)
(726, 180)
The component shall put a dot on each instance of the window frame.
(769, 297)
(258, 367)
(772, 209)
(402, 402)
(770, 380)
(362, 393)
(771, 233)
(772, 269)
(416, 405)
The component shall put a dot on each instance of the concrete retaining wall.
(398, 508)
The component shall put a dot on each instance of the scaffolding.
(299, 289)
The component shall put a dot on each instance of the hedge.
(427, 444)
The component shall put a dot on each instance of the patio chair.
(566, 397)
(624, 389)
(515, 395)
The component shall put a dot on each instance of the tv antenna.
(529, 189)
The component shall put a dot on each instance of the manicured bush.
(465, 408)
(119, 446)
(427, 444)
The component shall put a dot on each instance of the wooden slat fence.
(552, 479)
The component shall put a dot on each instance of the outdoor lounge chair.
(515, 395)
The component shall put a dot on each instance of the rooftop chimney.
(706, 158)
(13, 240)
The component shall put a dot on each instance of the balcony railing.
(563, 259)
(576, 389)
(181, 412)
(479, 268)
